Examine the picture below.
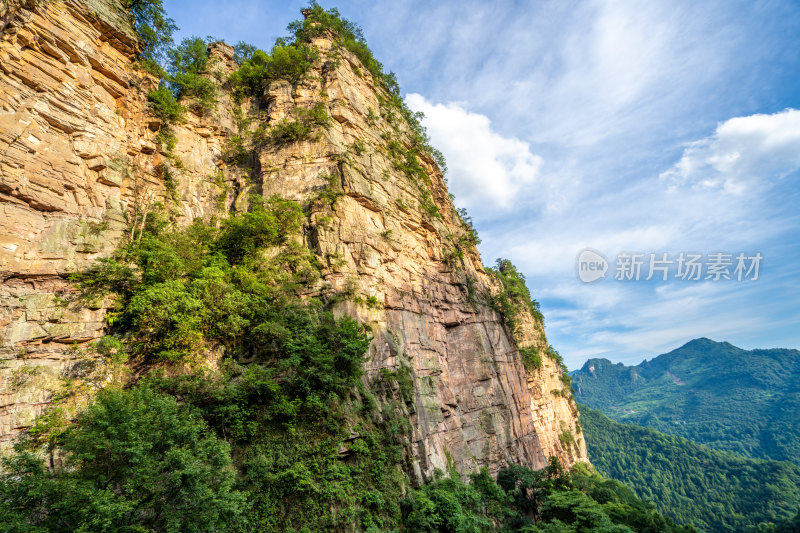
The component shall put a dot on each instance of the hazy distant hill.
(710, 392)
(695, 485)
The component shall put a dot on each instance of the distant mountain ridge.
(715, 491)
(714, 393)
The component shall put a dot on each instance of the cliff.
(81, 163)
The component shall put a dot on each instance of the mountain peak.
(315, 127)
(701, 341)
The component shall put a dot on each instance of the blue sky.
(621, 126)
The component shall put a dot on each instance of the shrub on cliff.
(164, 105)
(234, 285)
(185, 79)
(515, 295)
(305, 122)
(244, 234)
(187, 65)
(285, 62)
(350, 36)
(524, 500)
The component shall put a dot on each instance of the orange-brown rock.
(78, 166)
(77, 161)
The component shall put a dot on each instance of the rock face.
(80, 165)
(553, 407)
(77, 166)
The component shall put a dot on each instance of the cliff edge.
(82, 160)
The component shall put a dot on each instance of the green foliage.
(166, 137)
(285, 62)
(566, 437)
(242, 51)
(420, 134)
(565, 378)
(236, 152)
(105, 275)
(244, 234)
(359, 147)
(291, 413)
(405, 381)
(184, 79)
(407, 162)
(164, 105)
(189, 57)
(155, 29)
(305, 123)
(791, 525)
(133, 461)
(515, 295)
(167, 317)
(306, 458)
(531, 357)
(470, 236)
(349, 36)
(449, 504)
(713, 490)
(187, 64)
(713, 393)
(168, 177)
(204, 286)
(523, 500)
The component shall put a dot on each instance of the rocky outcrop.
(553, 406)
(79, 165)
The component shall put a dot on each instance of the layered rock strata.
(80, 166)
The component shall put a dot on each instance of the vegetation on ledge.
(139, 460)
(280, 433)
(515, 295)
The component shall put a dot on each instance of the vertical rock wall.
(78, 163)
(77, 160)
(474, 402)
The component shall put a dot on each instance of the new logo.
(591, 266)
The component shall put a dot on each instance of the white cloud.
(629, 321)
(565, 124)
(486, 170)
(743, 152)
(648, 322)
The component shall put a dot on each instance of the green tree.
(164, 105)
(133, 461)
(187, 65)
(715, 490)
(154, 27)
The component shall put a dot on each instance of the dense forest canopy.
(714, 490)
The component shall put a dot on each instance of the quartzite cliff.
(79, 163)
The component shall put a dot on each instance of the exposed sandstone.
(78, 165)
(553, 407)
(77, 159)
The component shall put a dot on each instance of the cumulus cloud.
(742, 153)
(487, 171)
(562, 132)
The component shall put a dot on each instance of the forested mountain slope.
(693, 484)
(713, 393)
